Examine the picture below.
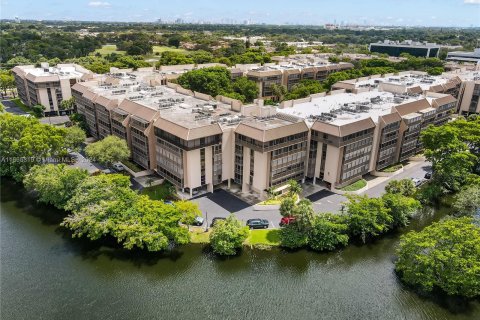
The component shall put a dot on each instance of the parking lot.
(221, 203)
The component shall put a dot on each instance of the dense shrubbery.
(365, 218)
(228, 236)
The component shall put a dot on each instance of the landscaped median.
(355, 187)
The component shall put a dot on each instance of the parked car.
(214, 220)
(168, 202)
(198, 221)
(258, 223)
(428, 175)
(417, 182)
(118, 167)
(286, 220)
(108, 171)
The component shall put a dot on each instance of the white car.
(417, 182)
(118, 166)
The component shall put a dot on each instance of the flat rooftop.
(408, 80)
(65, 71)
(345, 108)
(183, 109)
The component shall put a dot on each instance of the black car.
(428, 175)
(258, 223)
(215, 220)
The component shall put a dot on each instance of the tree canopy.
(54, 184)
(109, 150)
(445, 255)
(228, 236)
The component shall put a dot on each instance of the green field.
(107, 49)
(161, 49)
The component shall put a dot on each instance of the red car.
(286, 220)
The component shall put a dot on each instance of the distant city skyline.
(448, 13)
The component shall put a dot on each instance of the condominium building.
(353, 134)
(411, 82)
(48, 86)
(291, 73)
(396, 48)
(197, 142)
(469, 92)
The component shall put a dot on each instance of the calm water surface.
(47, 275)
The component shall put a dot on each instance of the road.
(13, 108)
(221, 203)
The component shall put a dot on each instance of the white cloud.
(99, 4)
(471, 1)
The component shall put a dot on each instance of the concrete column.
(228, 183)
(314, 180)
(191, 192)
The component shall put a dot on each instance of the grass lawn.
(132, 166)
(269, 237)
(160, 192)
(357, 185)
(107, 49)
(161, 49)
(392, 168)
(198, 235)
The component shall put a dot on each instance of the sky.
(448, 13)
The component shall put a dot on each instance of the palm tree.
(295, 188)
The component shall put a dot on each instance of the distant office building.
(464, 56)
(395, 48)
(48, 86)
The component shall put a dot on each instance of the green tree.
(228, 236)
(404, 187)
(279, 91)
(445, 255)
(451, 158)
(38, 110)
(108, 150)
(287, 206)
(189, 211)
(201, 56)
(7, 81)
(367, 217)
(74, 137)
(67, 104)
(25, 142)
(212, 81)
(294, 188)
(54, 184)
(150, 224)
(170, 58)
(467, 201)
(401, 208)
(248, 89)
(328, 232)
(304, 215)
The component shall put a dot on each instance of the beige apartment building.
(410, 82)
(48, 86)
(353, 134)
(290, 73)
(199, 142)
